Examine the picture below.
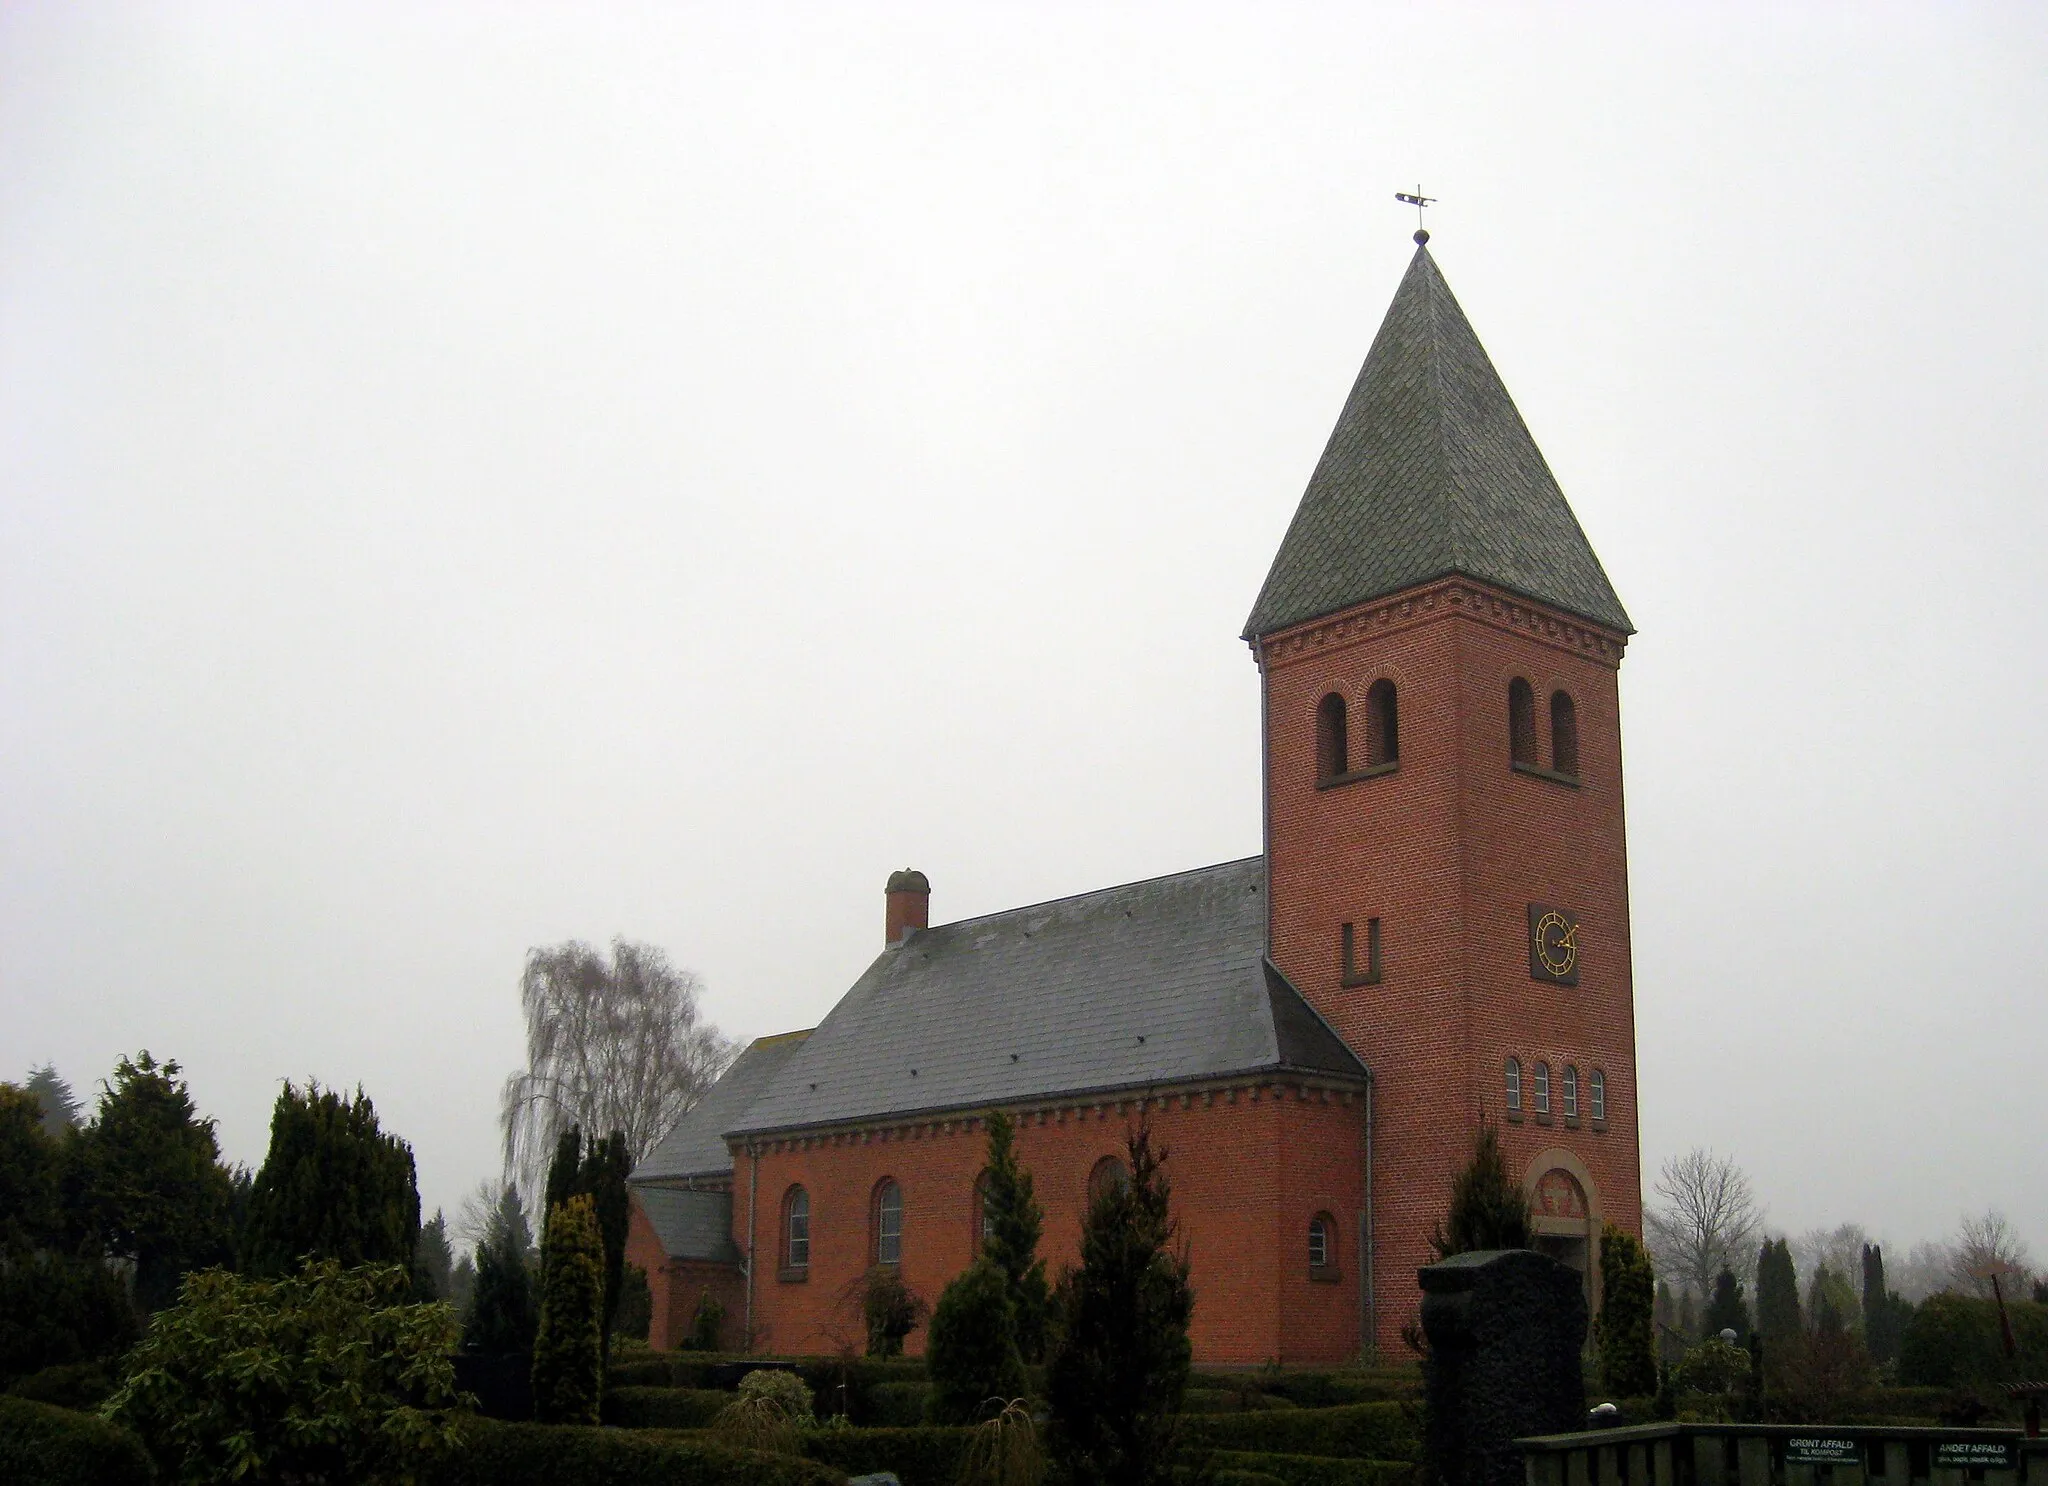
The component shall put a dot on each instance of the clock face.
(1553, 945)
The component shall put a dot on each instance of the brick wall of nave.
(1250, 1167)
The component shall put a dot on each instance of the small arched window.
(1382, 725)
(1514, 1077)
(1564, 734)
(888, 1223)
(1322, 1242)
(1596, 1095)
(1541, 1093)
(1522, 723)
(1333, 751)
(796, 1229)
(1109, 1175)
(1571, 1091)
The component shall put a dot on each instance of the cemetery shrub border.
(493, 1453)
(1360, 1431)
(44, 1445)
(664, 1408)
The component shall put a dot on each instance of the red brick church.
(1435, 934)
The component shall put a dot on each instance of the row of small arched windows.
(885, 1216)
(1336, 758)
(1533, 1093)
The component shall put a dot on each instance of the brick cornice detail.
(1206, 1094)
(1444, 599)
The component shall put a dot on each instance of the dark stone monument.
(1506, 1328)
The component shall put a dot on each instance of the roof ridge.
(983, 918)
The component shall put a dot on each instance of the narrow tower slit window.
(1321, 1250)
(1541, 1092)
(1332, 747)
(1596, 1095)
(1564, 734)
(1382, 725)
(1571, 1091)
(1361, 962)
(1522, 723)
(1514, 1080)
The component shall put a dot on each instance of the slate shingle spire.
(1430, 472)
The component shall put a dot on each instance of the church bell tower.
(1440, 653)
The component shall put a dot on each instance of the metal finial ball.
(1421, 236)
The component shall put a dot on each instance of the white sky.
(473, 476)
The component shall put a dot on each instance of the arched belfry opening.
(1333, 744)
(1382, 725)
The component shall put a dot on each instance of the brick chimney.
(909, 897)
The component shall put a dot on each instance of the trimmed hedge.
(74, 1385)
(1313, 1470)
(43, 1445)
(640, 1372)
(895, 1405)
(1242, 1478)
(1360, 1431)
(1324, 1390)
(664, 1408)
(927, 1456)
(1230, 1401)
(493, 1453)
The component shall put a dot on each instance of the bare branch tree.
(615, 1045)
(1984, 1241)
(1708, 1220)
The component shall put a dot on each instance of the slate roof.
(696, 1147)
(1429, 472)
(1150, 983)
(690, 1225)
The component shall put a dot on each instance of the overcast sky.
(476, 476)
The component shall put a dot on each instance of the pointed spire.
(1429, 472)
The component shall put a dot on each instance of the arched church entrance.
(1564, 1211)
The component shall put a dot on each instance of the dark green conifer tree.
(144, 1180)
(1728, 1310)
(1011, 1225)
(568, 1351)
(1118, 1369)
(1778, 1318)
(333, 1186)
(434, 1261)
(1884, 1311)
(1628, 1352)
(597, 1171)
(971, 1348)
(503, 1310)
(1489, 1209)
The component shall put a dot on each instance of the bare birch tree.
(1708, 1218)
(610, 1045)
(1985, 1241)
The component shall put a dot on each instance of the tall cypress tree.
(1778, 1318)
(597, 1171)
(333, 1186)
(1728, 1311)
(1628, 1354)
(1118, 1373)
(1884, 1311)
(568, 1352)
(1012, 1224)
(1489, 1209)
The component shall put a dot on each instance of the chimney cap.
(909, 880)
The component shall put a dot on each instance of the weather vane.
(1418, 201)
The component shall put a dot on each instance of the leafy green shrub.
(971, 1351)
(76, 1385)
(1359, 1431)
(43, 1445)
(1711, 1367)
(928, 1456)
(568, 1353)
(328, 1375)
(889, 1309)
(664, 1408)
(1313, 1470)
(1004, 1450)
(770, 1411)
(1628, 1291)
(707, 1323)
(493, 1453)
(1953, 1341)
